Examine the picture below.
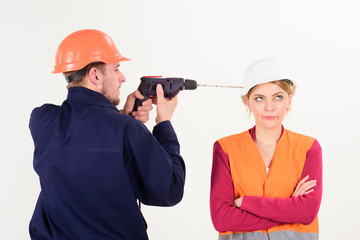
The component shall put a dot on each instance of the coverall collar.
(81, 94)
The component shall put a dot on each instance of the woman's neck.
(267, 136)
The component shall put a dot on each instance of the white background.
(211, 41)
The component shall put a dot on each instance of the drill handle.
(138, 102)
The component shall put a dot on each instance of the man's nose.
(121, 77)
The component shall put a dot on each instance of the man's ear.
(93, 76)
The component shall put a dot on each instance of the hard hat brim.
(79, 65)
(246, 89)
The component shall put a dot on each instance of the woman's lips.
(269, 117)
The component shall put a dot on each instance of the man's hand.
(165, 107)
(142, 113)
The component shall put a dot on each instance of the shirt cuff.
(163, 130)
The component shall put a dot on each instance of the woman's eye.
(259, 99)
(278, 97)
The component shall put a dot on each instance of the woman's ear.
(290, 100)
(247, 102)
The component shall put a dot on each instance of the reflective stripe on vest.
(281, 235)
(250, 178)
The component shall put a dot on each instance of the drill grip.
(138, 102)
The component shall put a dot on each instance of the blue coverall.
(94, 163)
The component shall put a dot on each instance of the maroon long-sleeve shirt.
(259, 213)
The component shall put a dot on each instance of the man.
(94, 162)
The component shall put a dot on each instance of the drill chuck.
(190, 84)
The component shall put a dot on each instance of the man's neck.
(89, 85)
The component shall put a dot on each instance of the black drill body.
(172, 86)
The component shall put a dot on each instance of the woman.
(266, 183)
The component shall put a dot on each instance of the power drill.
(172, 86)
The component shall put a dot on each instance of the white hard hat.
(262, 71)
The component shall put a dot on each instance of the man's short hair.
(79, 82)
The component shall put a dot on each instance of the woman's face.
(269, 103)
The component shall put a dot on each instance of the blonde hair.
(80, 81)
(285, 84)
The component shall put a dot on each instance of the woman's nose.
(269, 106)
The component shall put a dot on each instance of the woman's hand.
(238, 202)
(304, 187)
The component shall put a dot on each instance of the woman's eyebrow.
(278, 93)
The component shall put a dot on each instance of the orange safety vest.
(250, 178)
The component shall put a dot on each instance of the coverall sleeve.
(225, 215)
(302, 209)
(156, 168)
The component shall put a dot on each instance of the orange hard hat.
(84, 47)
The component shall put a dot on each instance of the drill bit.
(219, 86)
(192, 84)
